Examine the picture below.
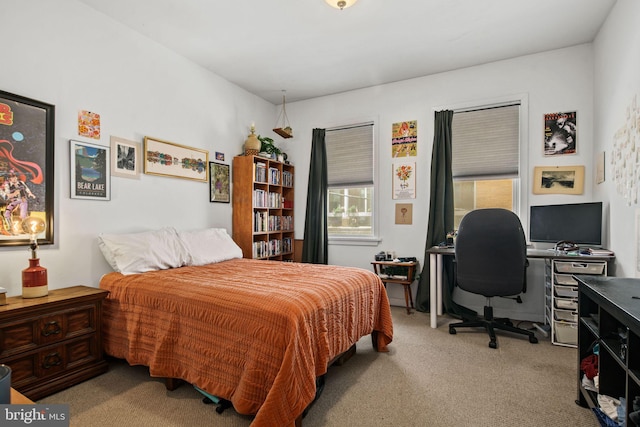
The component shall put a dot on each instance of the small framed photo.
(558, 180)
(219, 183)
(90, 171)
(404, 213)
(125, 158)
(178, 161)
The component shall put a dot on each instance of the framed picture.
(26, 167)
(560, 133)
(404, 213)
(178, 161)
(90, 171)
(219, 183)
(404, 180)
(558, 180)
(125, 158)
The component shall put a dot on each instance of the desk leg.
(433, 293)
(439, 284)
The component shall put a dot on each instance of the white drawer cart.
(561, 296)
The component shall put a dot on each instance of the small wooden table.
(18, 398)
(405, 281)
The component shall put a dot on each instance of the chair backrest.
(491, 253)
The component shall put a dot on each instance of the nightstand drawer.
(53, 360)
(23, 335)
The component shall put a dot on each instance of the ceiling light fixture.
(341, 4)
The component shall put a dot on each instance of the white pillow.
(209, 246)
(146, 251)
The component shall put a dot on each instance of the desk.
(405, 282)
(435, 271)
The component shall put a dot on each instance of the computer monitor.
(579, 223)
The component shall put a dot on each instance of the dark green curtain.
(440, 212)
(315, 247)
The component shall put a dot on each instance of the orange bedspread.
(257, 333)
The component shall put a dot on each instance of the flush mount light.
(341, 4)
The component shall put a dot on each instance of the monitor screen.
(580, 223)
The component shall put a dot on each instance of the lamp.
(34, 277)
(341, 4)
(252, 145)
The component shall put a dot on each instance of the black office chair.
(491, 260)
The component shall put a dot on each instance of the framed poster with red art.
(26, 167)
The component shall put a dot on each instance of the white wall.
(69, 55)
(66, 54)
(555, 81)
(617, 67)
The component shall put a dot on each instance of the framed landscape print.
(179, 161)
(558, 180)
(26, 167)
(90, 171)
(125, 158)
(219, 183)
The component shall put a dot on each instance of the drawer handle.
(51, 328)
(51, 360)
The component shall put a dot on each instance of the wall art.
(560, 133)
(219, 180)
(174, 160)
(26, 167)
(90, 171)
(558, 180)
(125, 158)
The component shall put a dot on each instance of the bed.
(256, 333)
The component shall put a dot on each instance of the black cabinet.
(609, 313)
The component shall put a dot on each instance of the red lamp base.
(34, 280)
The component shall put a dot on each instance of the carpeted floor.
(429, 378)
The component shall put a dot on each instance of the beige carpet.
(429, 378)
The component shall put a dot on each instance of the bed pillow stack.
(166, 248)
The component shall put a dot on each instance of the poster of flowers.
(404, 180)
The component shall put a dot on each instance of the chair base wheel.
(493, 344)
(452, 331)
(533, 340)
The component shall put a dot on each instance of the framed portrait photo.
(219, 183)
(125, 158)
(90, 171)
(26, 167)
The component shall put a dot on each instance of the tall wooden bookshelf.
(263, 208)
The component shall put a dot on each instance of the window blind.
(350, 155)
(485, 142)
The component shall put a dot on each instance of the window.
(350, 180)
(485, 159)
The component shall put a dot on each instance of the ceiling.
(309, 49)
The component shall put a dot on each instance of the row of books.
(265, 199)
(271, 175)
(287, 179)
(265, 222)
(264, 249)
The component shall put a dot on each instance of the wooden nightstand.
(404, 280)
(53, 342)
